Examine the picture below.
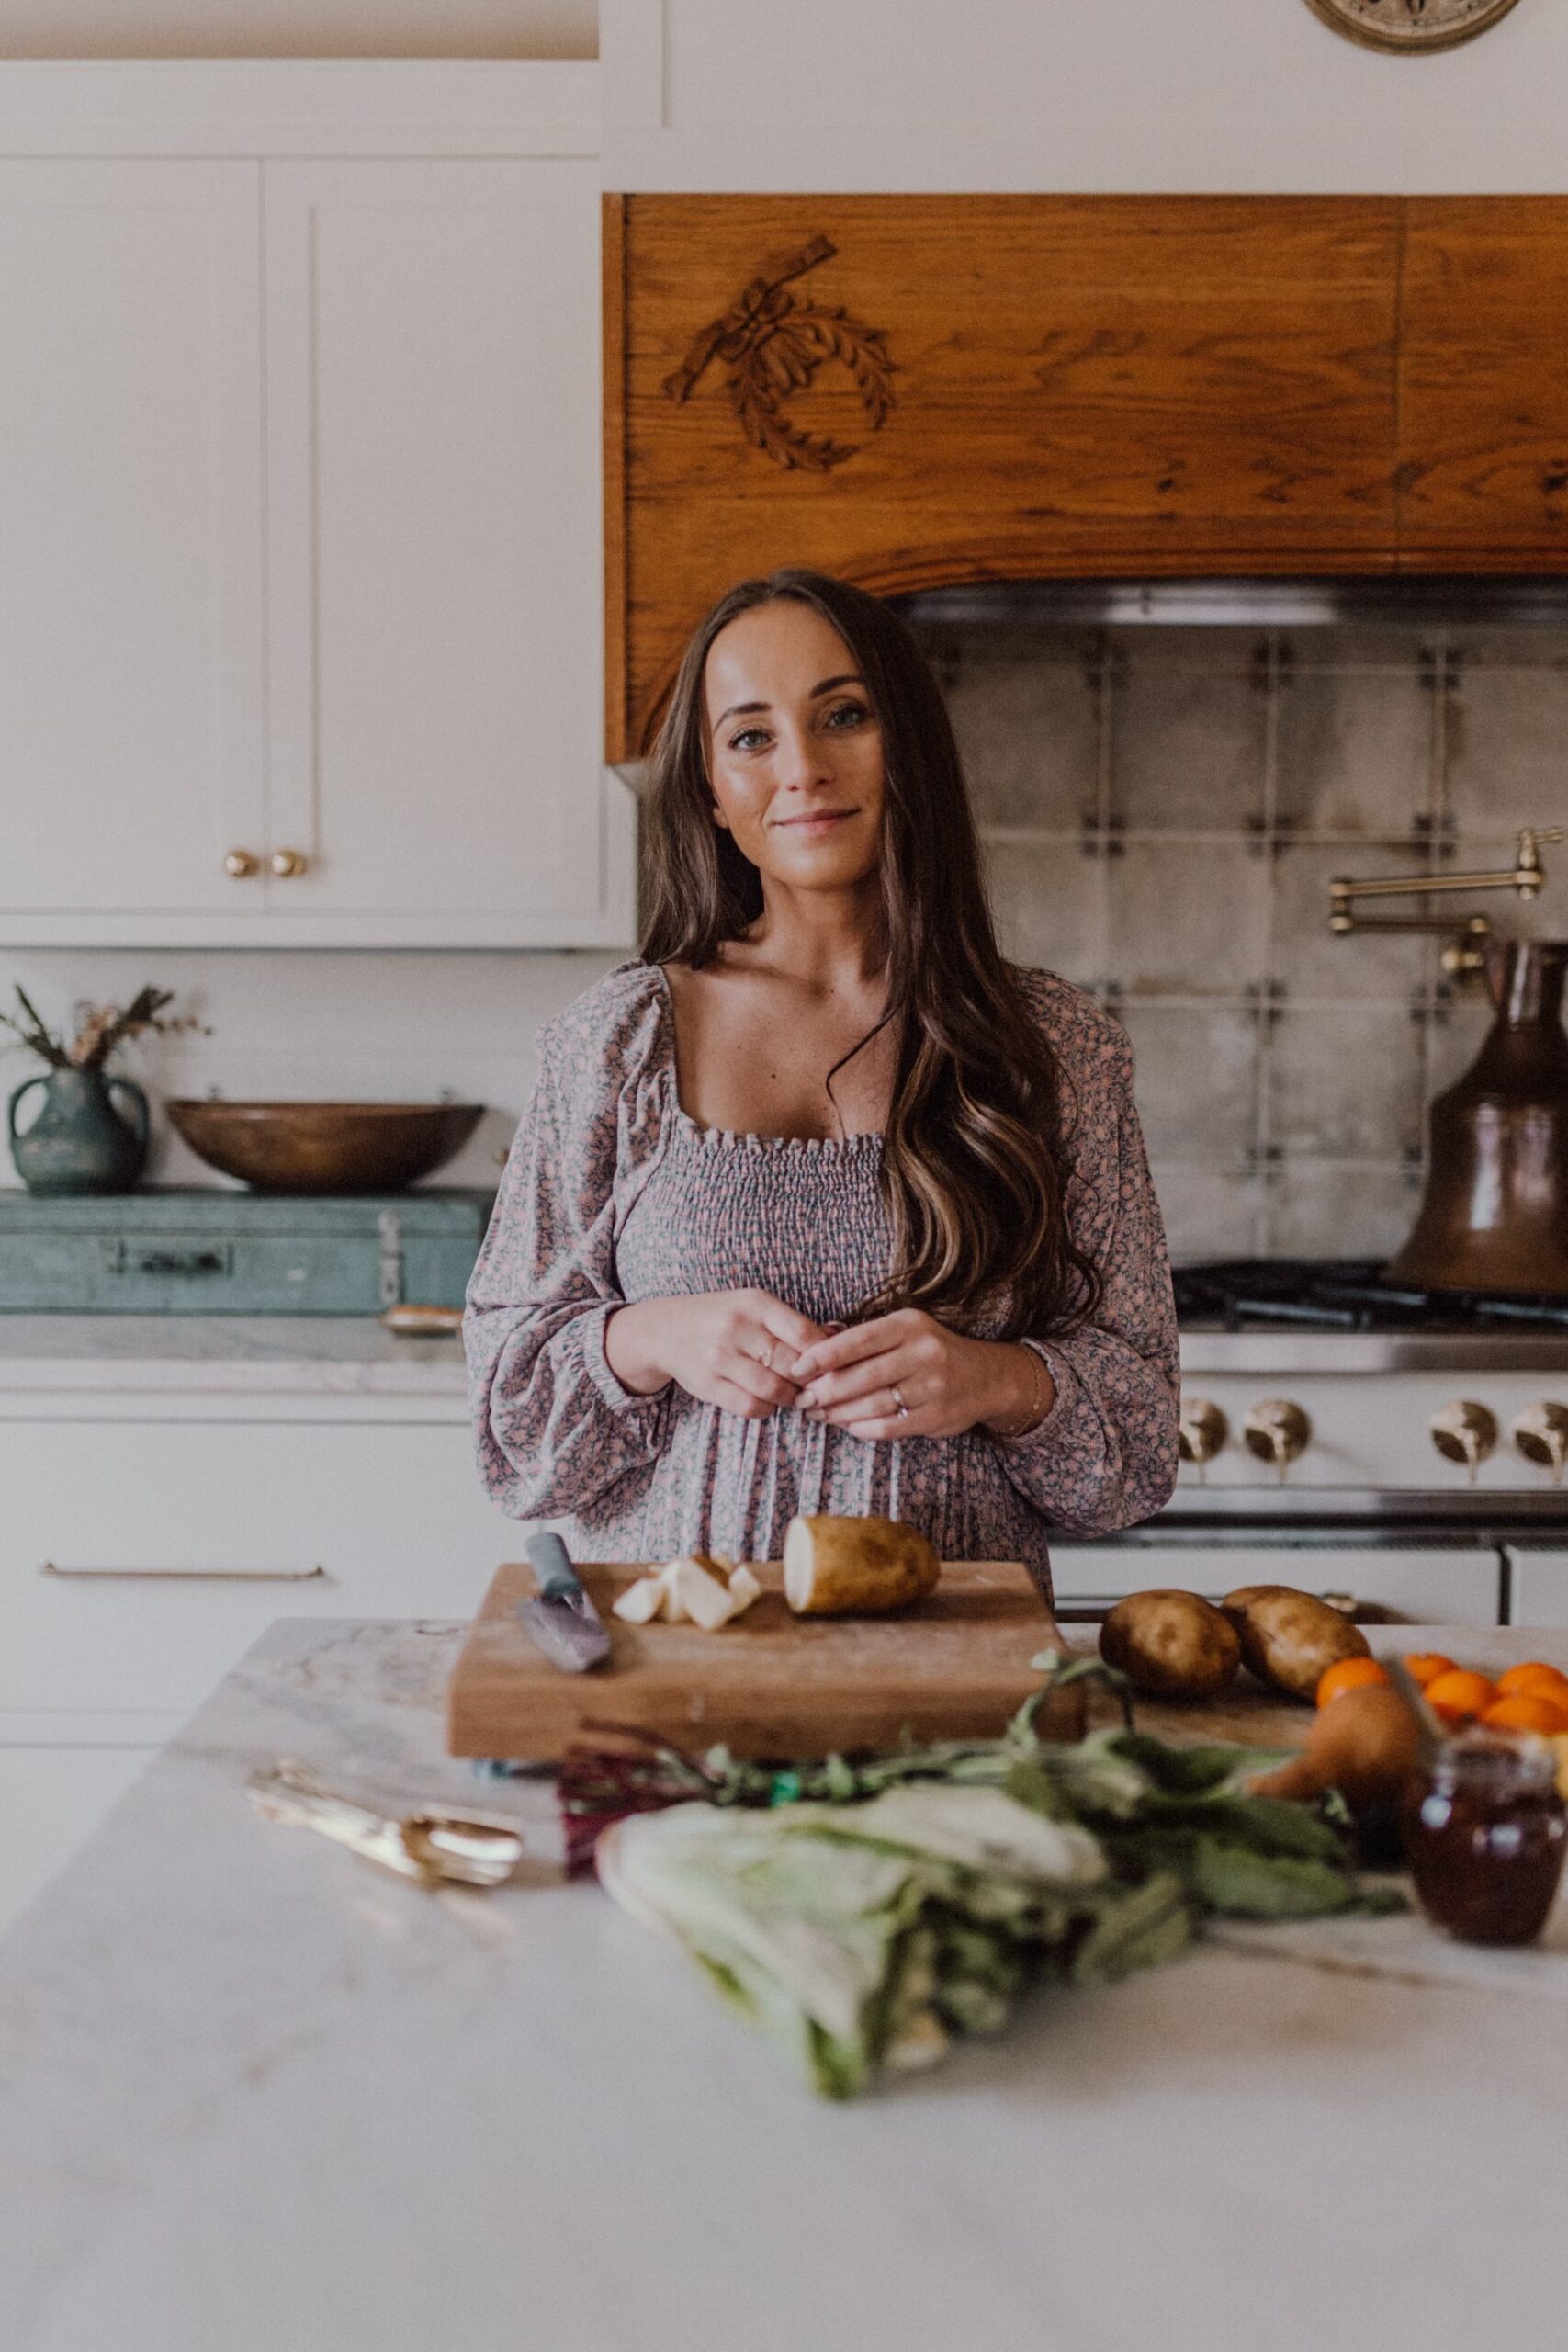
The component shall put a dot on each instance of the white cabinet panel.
(51, 1799)
(1436, 1585)
(436, 613)
(392, 1514)
(1539, 1584)
(132, 735)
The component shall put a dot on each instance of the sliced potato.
(1170, 1643)
(836, 1565)
(1291, 1638)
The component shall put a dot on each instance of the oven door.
(1426, 1577)
(1538, 1583)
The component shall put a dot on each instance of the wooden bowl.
(325, 1147)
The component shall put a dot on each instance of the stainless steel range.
(1405, 1448)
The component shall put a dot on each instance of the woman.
(821, 1206)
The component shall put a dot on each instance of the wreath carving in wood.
(771, 344)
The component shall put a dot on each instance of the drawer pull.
(122, 1261)
(191, 1576)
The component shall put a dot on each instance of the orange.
(1527, 1712)
(1535, 1676)
(1427, 1664)
(1460, 1693)
(1349, 1674)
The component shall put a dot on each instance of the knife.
(562, 1621)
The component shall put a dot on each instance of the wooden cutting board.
(953, 1667)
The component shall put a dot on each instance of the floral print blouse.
(613, 1194)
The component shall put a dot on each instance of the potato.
(835, 1565)
(1170, 1643)
(1291, 1638)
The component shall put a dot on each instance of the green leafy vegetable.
(884, 1905)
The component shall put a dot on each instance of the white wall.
(1201, 95)
(352, 1025)
(531, 28)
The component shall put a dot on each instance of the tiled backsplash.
(1164, 809)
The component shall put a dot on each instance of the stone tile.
(1209, 1212)
(1329, 1208)
(1049, 900)
(1233, 650)
(1187, 745)
(1507, 751)
(1187, 918)
(1310, 961)
(1498, 646)
(1345, 1085)
(1359, 645)
(1195, 1080)
(1029, 736)
(1356, 751)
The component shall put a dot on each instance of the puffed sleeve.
(1105, 1454)
(556, 1429)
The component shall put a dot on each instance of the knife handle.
(551, 1564)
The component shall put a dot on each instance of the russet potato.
(1170, 1644)
(840, 1567)
(1291, 1638)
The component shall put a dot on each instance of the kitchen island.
(255, 2096)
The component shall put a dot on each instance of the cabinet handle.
(241, 864)
(190, 1575)
(287, 864)
(120, 1261)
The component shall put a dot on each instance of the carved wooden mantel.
(915, 391)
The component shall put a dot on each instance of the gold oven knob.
(1464, 1431)
(287, 862)
(1277, 1432)
(241, 864)
(1540, 1434)
(1202, 1431)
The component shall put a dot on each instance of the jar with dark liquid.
(1485, 1835)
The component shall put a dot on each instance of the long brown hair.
(970, 1168)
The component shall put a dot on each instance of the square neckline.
(742, 1138)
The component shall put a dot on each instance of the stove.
(1404, 1450)
(1345, 1295)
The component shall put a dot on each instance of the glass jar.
(1485, 1836)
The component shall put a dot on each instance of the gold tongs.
(432, 1846)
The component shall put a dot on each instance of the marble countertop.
(319, 1354)
(254, 2096)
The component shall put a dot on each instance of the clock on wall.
(1413, 27)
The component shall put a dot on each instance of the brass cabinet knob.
(287, 862)
(1202, 1431)
(1277, 1432)
(241, 864)
(1540, 1434)
(1464, 1431)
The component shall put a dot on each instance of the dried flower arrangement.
(100, 1028)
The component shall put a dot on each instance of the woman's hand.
(736, 1349)
(857, 1379)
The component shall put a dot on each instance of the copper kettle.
(1495, 1212)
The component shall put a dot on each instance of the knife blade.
(561, 1620)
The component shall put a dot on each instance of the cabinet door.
(1483, 393)
(433, 375)
(130, 525)
(1416, 1584)
(1537, 1584)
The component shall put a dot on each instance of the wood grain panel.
(1483, 385)
(1086, 386)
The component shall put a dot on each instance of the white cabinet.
(143, 1551)
(301, 519)
(435, 599)
(1438, 1584)
(1537, 1584)
(132, 731)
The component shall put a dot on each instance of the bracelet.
(1038, 1403)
